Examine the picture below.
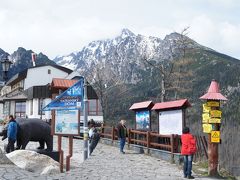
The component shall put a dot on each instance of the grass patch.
(201, 168)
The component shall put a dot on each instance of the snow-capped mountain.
(123, 54)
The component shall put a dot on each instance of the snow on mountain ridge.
(122, 55)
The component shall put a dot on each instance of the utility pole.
(85, 123)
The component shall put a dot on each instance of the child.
(188, 150)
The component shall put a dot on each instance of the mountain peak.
(126, 32)
(173, 35)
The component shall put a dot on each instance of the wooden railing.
(145, 138)
(149, 139)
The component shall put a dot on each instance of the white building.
(27, 92)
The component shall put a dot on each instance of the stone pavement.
(106, 163)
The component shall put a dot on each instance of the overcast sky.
(59, 27)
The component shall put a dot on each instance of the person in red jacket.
(188, 150)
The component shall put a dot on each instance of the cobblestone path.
(106, 163)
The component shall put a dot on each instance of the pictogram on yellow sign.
(206, 108)
(213, 103)
(215, 136)
(216, 113)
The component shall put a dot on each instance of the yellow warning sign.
(205, 117)
(206, 108)
(216, 113)
(214, 120)
(207, 128)
(215, 136)
(213, 103)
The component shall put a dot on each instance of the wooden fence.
(149, 139)
(145, 138)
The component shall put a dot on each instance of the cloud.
(221, 36)
(60, 27)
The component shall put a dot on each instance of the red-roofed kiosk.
(171, 116)
(143, 114)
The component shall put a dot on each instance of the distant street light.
(5, 67)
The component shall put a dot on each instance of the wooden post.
(213, 150)
(60, 152)
(172, 147)
(212, 157)
(129, 137)
(102, 130)
(113, 134)
(148, 141)
(70, 151)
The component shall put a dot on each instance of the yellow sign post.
(212, 118)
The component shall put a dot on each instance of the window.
(99, 108)
(92, 107)
(31, 107)
(6, 108)
(20, 109)
(41, 104)
(49, 71)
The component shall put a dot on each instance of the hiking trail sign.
(211, 119)
(71, 99)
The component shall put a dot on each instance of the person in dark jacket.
(11, 134)
(122, 134)
(94, 136)
(188, 150)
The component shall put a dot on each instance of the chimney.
(34, 57)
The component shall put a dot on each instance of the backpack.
(192, 146)
(96, 135)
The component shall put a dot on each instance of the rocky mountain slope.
(124, 54)
(22, 59)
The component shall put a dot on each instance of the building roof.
(23, 74)
(56, 66)
(182, 103)
(62, 83)
(142, 105)
(19, 96)
(213, 92)
(17, 77)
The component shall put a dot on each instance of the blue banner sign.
(71, 99)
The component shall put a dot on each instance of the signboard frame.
(181, 121)
(67, 123)
(146, 119)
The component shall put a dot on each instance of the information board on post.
(66, 122)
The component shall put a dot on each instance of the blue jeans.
(122, 143)
(187, 167)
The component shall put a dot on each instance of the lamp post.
(85, 122)
(5, 67)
